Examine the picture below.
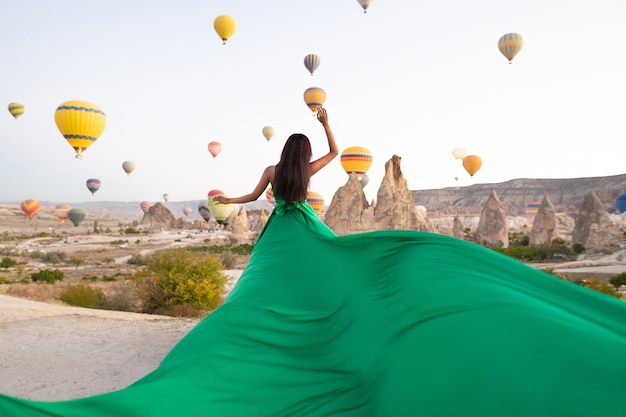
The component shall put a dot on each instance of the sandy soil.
(55, 352)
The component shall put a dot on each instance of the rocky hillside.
(566, 195)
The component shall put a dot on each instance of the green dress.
(381, 324)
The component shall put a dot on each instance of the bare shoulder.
(269, 173)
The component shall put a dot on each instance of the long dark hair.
(293, 172)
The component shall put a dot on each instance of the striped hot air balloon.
(510, 45)
(30, 208)
(93, 185)
(269, 196)
(268, 132)
(311, 62)
(81, 123)
(145, 206)
(532, 208)
(220, 212)
(316, 201)
(16, 109)
(356, 159)
(314, 97)
(62, 211)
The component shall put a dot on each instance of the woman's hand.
(322, 115)
(221, 199)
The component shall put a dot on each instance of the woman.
(387, 323)
(290, 177)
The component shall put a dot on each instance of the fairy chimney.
(395, 208)
(349, 211)
(492, 229)
(545, 224)
(159, 215)
(594, 229)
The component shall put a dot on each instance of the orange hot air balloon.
(356, 159)
(30, 208)
(215, 148)
(472, 164)
(314, 97)
(62, 211)
(316, 201)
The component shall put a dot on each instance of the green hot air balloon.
(76, 216)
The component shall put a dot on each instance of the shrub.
(77, 261)
(137, 259)
(47, 275)
(122, 300)
(179, 277)
(578, 248)
(7, 262)
(82, 295)
(618, 280)
(601, 286)
(53, 257)
(229, 260)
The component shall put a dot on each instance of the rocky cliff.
(565, 194)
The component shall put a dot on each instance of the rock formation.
(457, 228)
(395, 209)
(238, 227)
(159, 215)
(545, 225)
(349, 211)
(492, 228)
(594, 230)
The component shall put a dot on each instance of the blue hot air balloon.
(93, 184)
(620, 203)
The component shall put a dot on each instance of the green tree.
(47, 275)
(77, 261)
(82, 295)
(7, 262)
(179, 277)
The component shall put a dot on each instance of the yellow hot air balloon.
(510, 45)
(81, 123)
(16, 109)
(225, 26)
(316, 201)
(356, 159)
(472, 164)
(268, 132)
(314, 97)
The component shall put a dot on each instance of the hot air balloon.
(128, 167)
(93, 184)
(311, 62)
(215, 148)
(187, 211)
(620, 203)
(30, 208)
(81, 123)
(76, 216)
(225, 26)
(365, 4)
(365, 180)
(316, 201)
(510, 45)
(166, 197)
(314, 97)
(356, 159)
(268, 132)
(532, 208)
(220, 212)
(472, 164)
(459, 153)
(145, 206)
(204, 211)
(16, 109)
(62, 211)
(269, 196)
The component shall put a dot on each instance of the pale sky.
(414, 78)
